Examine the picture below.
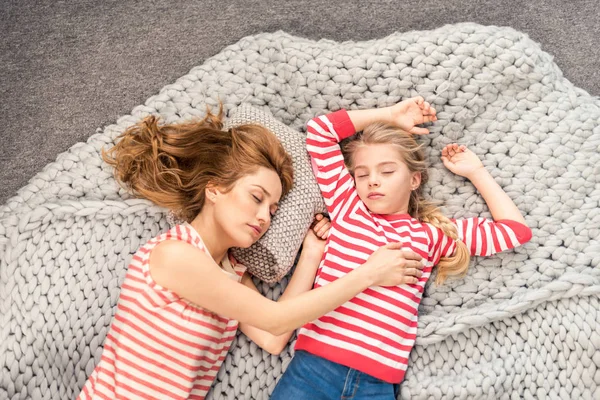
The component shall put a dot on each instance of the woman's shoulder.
(180, 239)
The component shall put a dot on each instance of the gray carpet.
(523, 324)
(68, 68)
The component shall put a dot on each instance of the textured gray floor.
(67, 68)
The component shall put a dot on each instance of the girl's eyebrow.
(378, 165)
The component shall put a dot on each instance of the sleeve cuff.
(522, 232)
(342, 124)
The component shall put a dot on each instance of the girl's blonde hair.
(171, 164)
(419, 208)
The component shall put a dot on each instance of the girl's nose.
(373, 181)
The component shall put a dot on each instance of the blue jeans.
(312, 377)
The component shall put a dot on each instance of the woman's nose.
(264, 215)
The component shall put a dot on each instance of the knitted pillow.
(273, 255)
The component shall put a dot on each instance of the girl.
(183, 294)
(361, 348)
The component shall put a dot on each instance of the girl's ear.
(415, 181)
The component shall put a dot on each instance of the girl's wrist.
(478, 174)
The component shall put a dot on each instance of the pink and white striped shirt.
(161, 346)
(375, 331)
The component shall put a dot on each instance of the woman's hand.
(412, 112)
(461, 161)
(390, 265)
(316, 237)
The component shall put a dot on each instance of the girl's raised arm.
(406, 115)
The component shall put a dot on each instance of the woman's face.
(244, 213)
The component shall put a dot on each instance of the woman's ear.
(415, 181)
(211, 192)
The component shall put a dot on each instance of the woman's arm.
(302, 280)
(193, 275)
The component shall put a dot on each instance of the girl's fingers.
(446, 162)
(320, 224)
(323, 231)
(419, 131)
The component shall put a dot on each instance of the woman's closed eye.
(257, 199)
(272, 211)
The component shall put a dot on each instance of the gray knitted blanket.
(522, 324)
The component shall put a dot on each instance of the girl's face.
(244, 213)
(383, 180)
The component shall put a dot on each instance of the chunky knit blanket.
(522, 324)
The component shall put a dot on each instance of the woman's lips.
(256, 229)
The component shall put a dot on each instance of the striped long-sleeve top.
(375, 331)
(160, 346)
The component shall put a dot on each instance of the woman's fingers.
(410, 279)
(413, 272)
(411, 256)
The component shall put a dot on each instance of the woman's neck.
(209, 232)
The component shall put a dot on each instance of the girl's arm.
(406, 115)
(463, 162)
(193, 275)
(302, 280)
(482, 236)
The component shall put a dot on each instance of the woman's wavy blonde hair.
(419, 208)
(171, 164)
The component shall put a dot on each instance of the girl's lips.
(375, 195)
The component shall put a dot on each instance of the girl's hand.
(316, 237)
(412, 112)
(389, 265)
(461, 161)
